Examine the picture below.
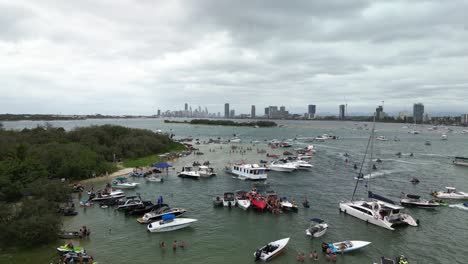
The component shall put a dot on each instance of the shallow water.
(225, 235)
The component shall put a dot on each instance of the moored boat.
(317, 228)
(159, 213)
(170, 223)
(344, 246)
(102, 196)
(187, 172)
(285, 167)
(229, 199)
(258, 203)
(271, 249)
(461, 161)
(252, 172)
(123, 183)
(205, 171)
(241, 200)
(416, 201)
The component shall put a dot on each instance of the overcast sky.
(133, 57)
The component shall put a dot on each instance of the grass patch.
(155, 158)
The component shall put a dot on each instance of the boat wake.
(375, 174)
(460, 206)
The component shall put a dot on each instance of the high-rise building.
(464, 119)
(252, 111)
(282, 108)
(418, 113)
(379, 114)
(226, 110)
(311, 111)
(159, 112)
(232, 113)
(186, 107)
(342, 115)
(267, 112)
(272, 111)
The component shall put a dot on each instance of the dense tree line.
(33, 162)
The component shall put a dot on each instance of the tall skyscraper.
(418, 113)
(379, 113)
(252, 111)
(267, 112)
(282, 108)
(464, 119)
(186, 107)
(342, 115)
(311, 111)
(159, 112)
(232, 113)
(226, 110)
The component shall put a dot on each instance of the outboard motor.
(324, 247)
(258, 254)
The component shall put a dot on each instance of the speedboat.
(451, 193)
(123, 183)
(271, 249)
(317, 228)
(380, 213)
(460, 161)
(344, 246)
(381, 138)
(443, 137)
(187, 172)
(252, 172)
(130, 202)
(146, 207)
(170, 223)
(229, 199)
(235, 140)
(241, 200)
(285, 167)
(102, 196)
(157, 214)
(301, 165)
(463, 206)
(206, 171)
(154, 178)
(258, 203)
(287, 205)
(416, 201)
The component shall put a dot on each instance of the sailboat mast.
(370, 167)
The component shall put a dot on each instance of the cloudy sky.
(132, 57)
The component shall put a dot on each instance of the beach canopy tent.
(163, 165)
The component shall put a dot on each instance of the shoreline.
(121, 172)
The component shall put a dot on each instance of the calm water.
(231, 235)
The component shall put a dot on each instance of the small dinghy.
(317, 228)
(271, 249)
(344, 246)
(170, 223)
(416, 201)
(463, 206)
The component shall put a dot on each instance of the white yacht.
(248, 172)
(379, 213)
(187, 172)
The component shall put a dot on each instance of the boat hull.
(243, 204)
(157, 227)
(344, 207)
(282, 243)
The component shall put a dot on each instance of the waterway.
(225, 235)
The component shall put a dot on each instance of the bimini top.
(168, 217)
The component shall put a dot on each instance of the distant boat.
(271, 249)
(170, 223)
(451, 193)
(317, 228)
(345, 246)
(427, 143)
(460, 161)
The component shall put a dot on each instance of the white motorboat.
(451, 193)
(187, 172)
(241, 200)
(301, 165)
(416, 201)
(345, 246)
(123, 183)
(252, 172)
(154, 178)
(460, 161)
(317, 228)
(271, 249)
(229, 199)
(157, 214)
(320, 138)
(381, 138)
(206, 171)
(463, 206)
(283, 167)
(443, 137)
(287, 205)
(235, 140)
(379, 213)
(131, 201)
(115, 194)
(170, 223)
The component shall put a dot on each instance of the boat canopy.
(317, 220)
(461, 158)
(163, 165)
(168, 217)
(379, 197)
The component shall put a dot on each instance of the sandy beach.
(121, 172)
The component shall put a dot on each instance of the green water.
(231, 235)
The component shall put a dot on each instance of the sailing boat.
(378, 210)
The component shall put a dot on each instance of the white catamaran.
(377, 210)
